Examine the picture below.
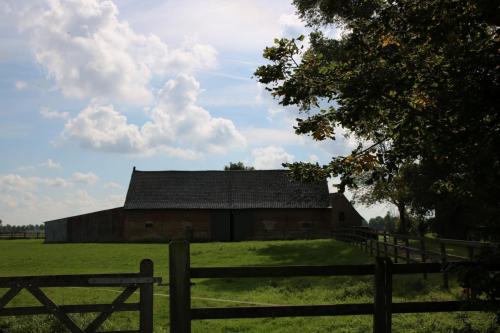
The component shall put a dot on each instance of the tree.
(237, 166)
(416, 81)
(386, 223)
(395, 191)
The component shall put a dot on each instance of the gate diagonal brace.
(54, 309)
(9, 295)
(99, 320)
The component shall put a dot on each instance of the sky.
(91, 88)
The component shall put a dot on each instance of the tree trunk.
(403, 227)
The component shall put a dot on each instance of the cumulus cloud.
(177, 126)
(91, 53)
(270, 157)
(20, 85)
(101, 127)
(33, 200)
(85, 178)
(52, 114)
(14, 183)
(49, 164)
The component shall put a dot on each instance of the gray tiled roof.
(222, 190)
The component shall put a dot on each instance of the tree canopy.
(237, 166)
(387, 223)
(417, 81)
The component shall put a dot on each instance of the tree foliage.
(237, 166)
(387, 223)
(417, 81)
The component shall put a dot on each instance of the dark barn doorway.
(231, 225)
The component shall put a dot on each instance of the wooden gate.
(130, 281)
(382, 308)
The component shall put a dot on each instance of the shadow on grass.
(324, 252)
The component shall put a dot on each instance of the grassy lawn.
(32, 257)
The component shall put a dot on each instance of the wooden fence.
(382, 308)
(410, 248)
(130, 281)
(22, 235)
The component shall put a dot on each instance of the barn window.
(341, 216)
(149, 225)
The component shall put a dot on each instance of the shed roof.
(222, 190)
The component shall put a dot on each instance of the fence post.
(382, 315)
(407, 245)
(470, 249)
(180, 289)
(385, 243)
(371, 247)
(378, 246)
(146, 298)
(422, 254)
(443, 262)
(395, 249)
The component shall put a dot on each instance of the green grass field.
(32, 257)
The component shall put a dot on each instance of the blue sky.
(91, 88)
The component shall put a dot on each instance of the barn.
(212, 206)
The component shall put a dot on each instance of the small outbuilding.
(212, 206)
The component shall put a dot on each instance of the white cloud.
(88, 178)
(232, 25)
(103, 128)
(52, 114)
(91, 53)
(177, 126)
(51, 164)
(33, 200)
(20, 85)
(270, 157)
(13, 183)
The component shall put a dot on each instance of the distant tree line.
(21, 228)
(414, 224)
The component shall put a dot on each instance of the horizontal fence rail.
(142, 281)
(22, 235)
(410, 248)
(181, 273)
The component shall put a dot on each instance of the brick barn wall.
(343, 213)
(165, 225)
(291, 223)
